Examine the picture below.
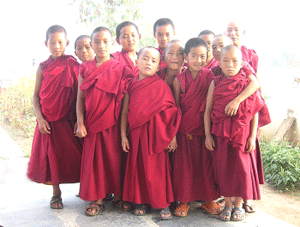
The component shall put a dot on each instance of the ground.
(283, 205)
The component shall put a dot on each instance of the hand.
(75, 128)
(210, 142)
(173, 145)
(231, 108)
(81, 131)
(125, 144)
(258, 132)
(44, 126)
(250, 145)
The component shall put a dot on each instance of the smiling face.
(174, 56)
(164, 34)
(231, 61)
(84, 50)
(148, 62)
(129, 38)
(235, 32)
(101, 44)
(56, 44)
(218, 44)
(208, 38)
(196, 59)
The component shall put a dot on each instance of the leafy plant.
(281, 165)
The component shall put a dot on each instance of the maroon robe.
(162, 63)
(235, 170)
(250, 56)
(153, 121)
(103, 89)
(55, 158)
(212, 63)
(192, 164)
(123, 57)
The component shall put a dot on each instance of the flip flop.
(141, 207)
(227, 212)
(165, 211)
(238, 211)
(99, 208)
(56, 199)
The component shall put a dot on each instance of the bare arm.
(250, 145)
(124, 123)
(232, 107)
(209, 140)
(81, 129)
(44, 126)
(176, 90)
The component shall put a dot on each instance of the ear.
(140, 36)
(185, 56)
(75, 53)
(242, 64)
(113, 42)
(46, 43)
(68, 42)
(136, 61)
(118, 41)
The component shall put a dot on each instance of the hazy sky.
(270, 24)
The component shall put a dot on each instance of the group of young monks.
(156, 126)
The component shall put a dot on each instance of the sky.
(270, 24)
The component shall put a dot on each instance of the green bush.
(281, 165)
(16, 105)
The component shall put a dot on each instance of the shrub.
(281, 165)
(16, 105)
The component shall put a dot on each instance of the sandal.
(227, 212)
(212, 207)
(56, 199)
(165, 211)
(122, 205)
(238, 211)
(140, 207)
(99, 208)
(250, 207)
(182, 210)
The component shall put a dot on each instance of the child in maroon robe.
(192, 169)
(56, 152)
(208, 37)
(153, 121)
(102, 84)
(174, 60)
(83, 49)
(234, 138)
(164, 32)
(128, 37)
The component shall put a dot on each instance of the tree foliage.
(108, 12)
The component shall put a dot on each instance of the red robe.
(162, 63)
(250, 56)
(153, 121)
(55, 158)
(235, 170)
(192, 164)
(123, 57)
(212, 63)
(103, 89)
(162, 73)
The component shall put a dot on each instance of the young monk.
(153, 121)
(174, 60)
(102, 84)
(56, 152)
(128, 37)
(192, 169)
(83, 49)
(164, 32)
(208, 37)
(232, 139)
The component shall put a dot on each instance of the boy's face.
(218, 44)
(129, 38)
(231, 62)
(235, 32)
(208, 39)
(84, 50)
(56, 44)
(174, 56)
(148, 62)
(164, 34)
(196, 59)
(102, 43)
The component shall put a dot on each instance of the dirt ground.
(283, 205)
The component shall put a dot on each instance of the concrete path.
(25, 203)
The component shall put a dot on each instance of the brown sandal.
(121, 204)
(56, 199)
(99, 208)
(212, 207)
(182, 210)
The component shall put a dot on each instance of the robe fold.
(123, 57)
(162, 63)
(235, 170)
(103, 89)
(153, 121)
(193, 177)
(250, 56)
(55, 158)
(213, 63)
